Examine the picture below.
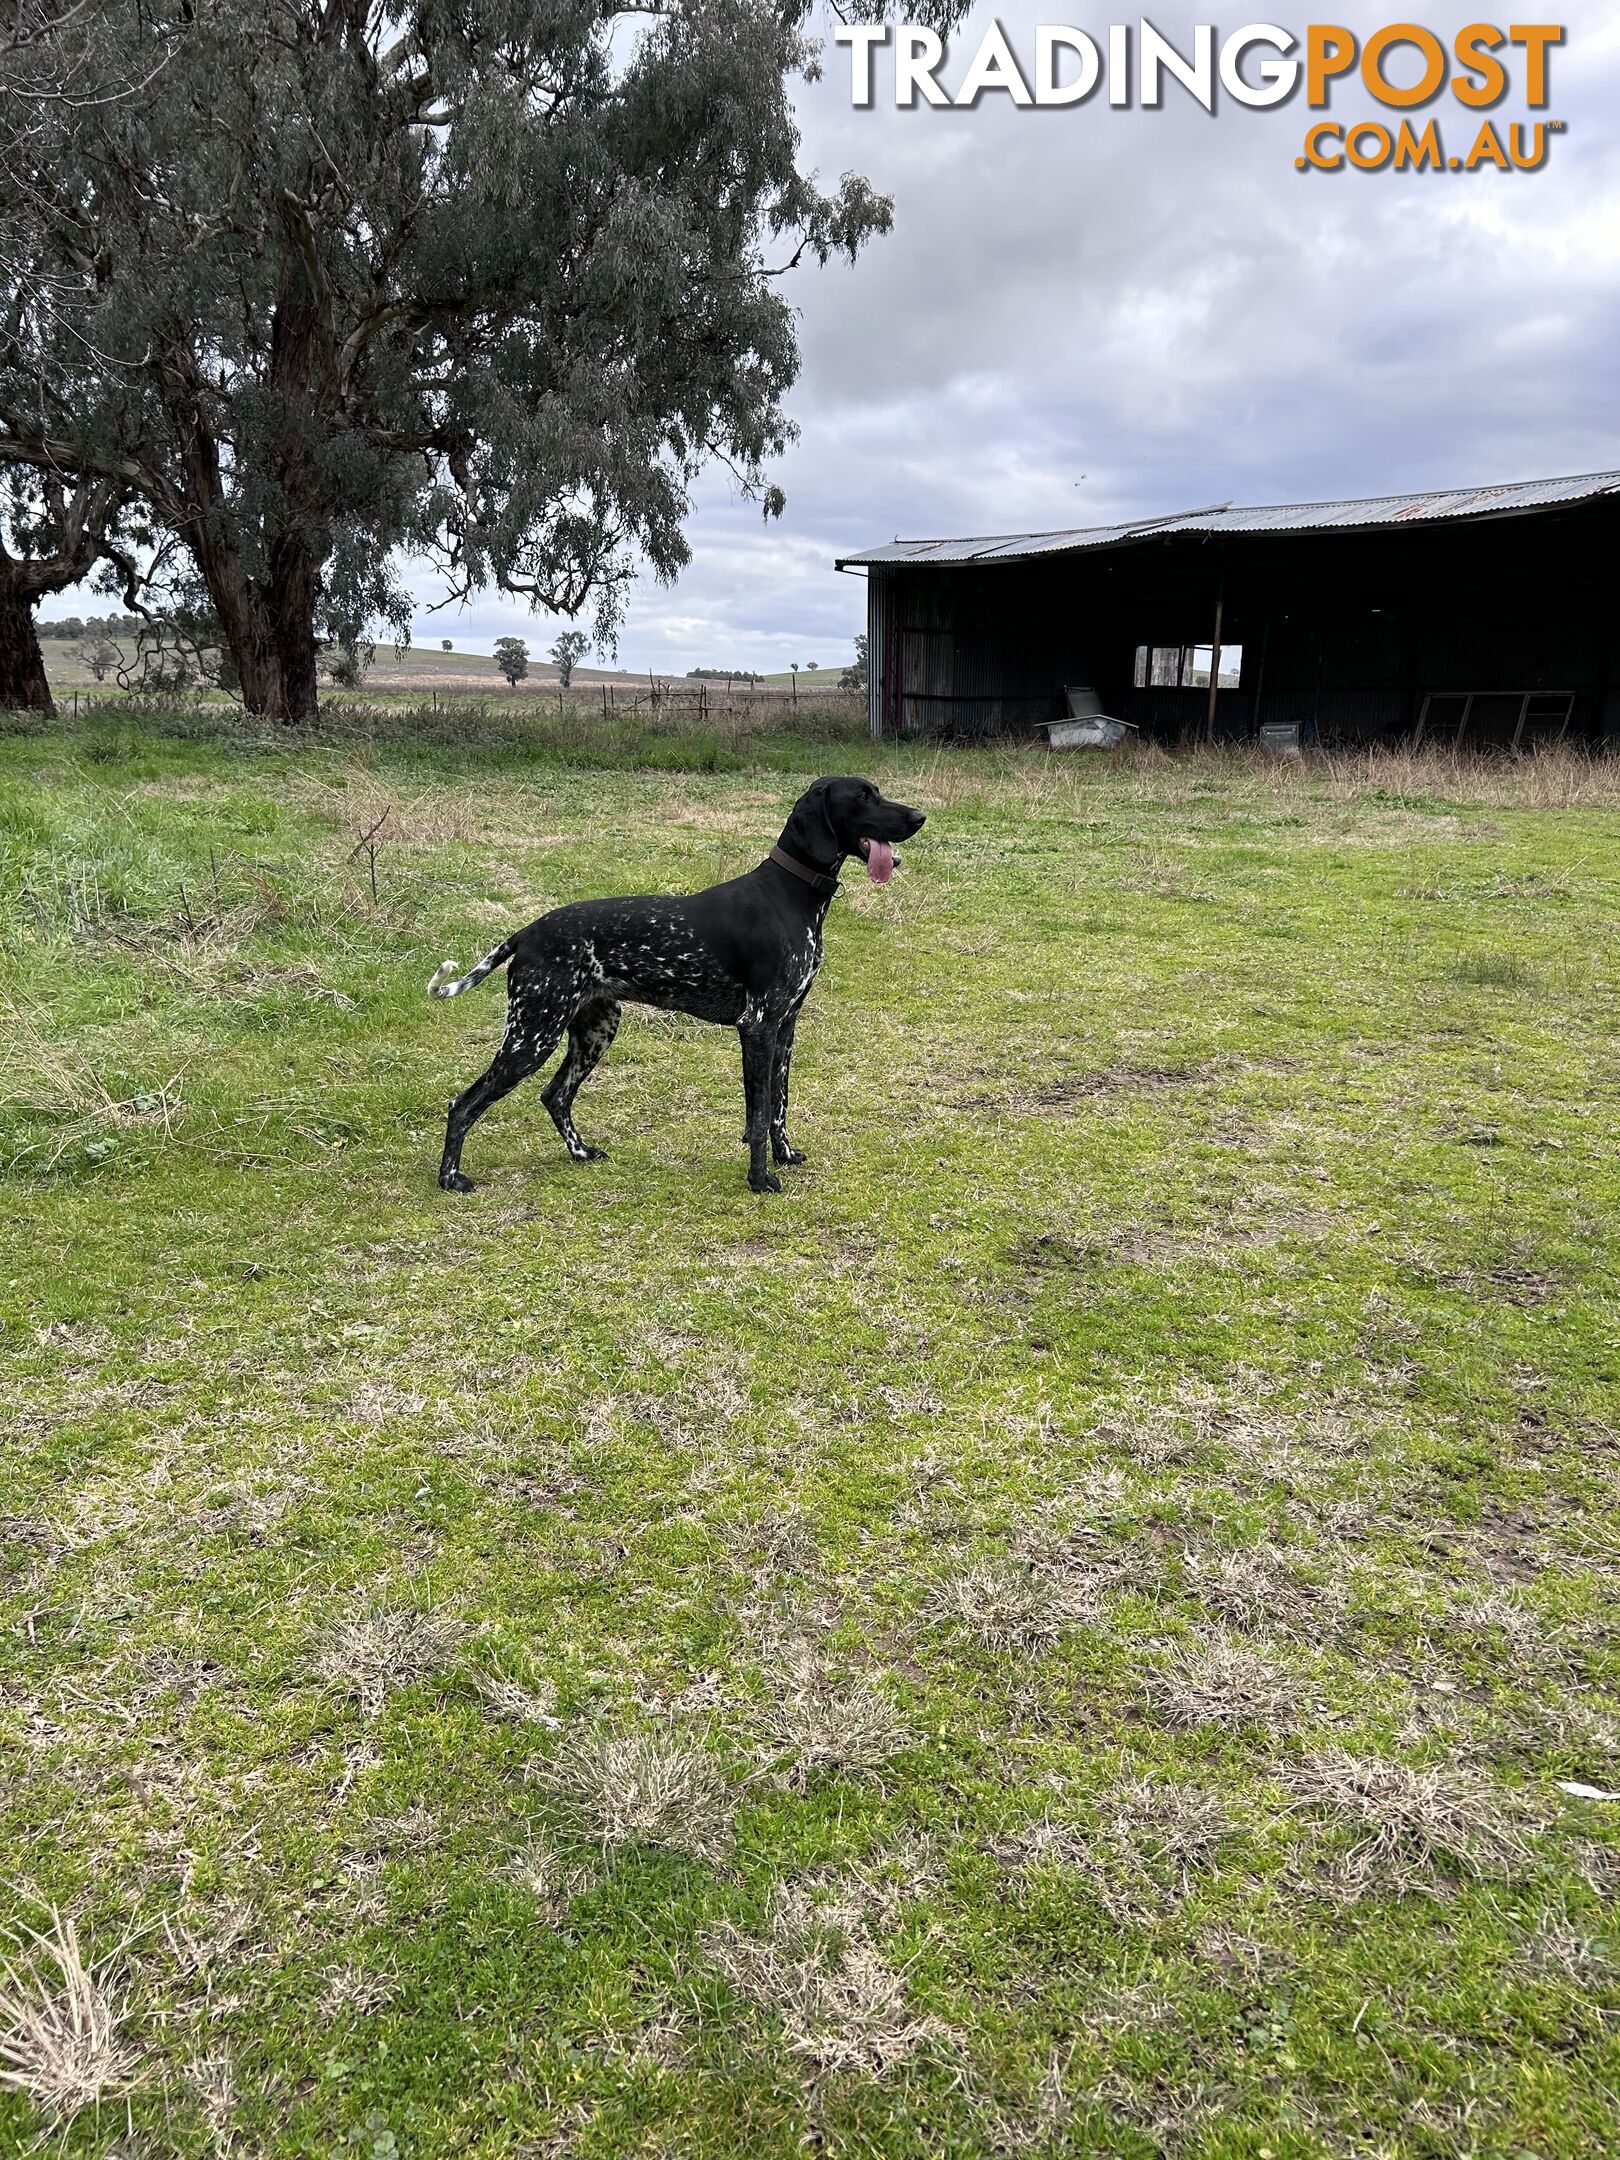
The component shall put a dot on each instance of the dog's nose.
(919, 818)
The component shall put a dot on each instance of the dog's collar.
(818, 880)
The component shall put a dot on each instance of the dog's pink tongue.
(879, 861)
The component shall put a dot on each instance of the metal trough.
(1087, 726)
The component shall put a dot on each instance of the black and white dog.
(742, 954)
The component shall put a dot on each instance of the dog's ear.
(810, 831)
(824, 803)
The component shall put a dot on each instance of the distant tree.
(349, 655)
(855, 678)
(794, 665)
(445, 642)
(98, 653)
(812, 665)
(512, 658)
(569, 648)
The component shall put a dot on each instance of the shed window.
(1185, 667)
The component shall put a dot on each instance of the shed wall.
(1341, 633)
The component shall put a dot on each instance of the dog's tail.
(441, 985)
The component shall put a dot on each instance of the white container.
(1094, 734)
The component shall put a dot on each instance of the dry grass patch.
(622, 1789)
(843, 2008)
(1222, 1682)
(820, 1722)
(526, 1706)
(1559, 1946)
(1406, 1826)
(1255, 1589)
(1492, 1618)
(61, 2040)
(1170, 1831)
(1144, 1851)
(213, 2080)
(1007, 1604)
(39, 1076)
(352, 1988)
(551, 1877)
(384, 1647)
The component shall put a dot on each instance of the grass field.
(1060, 1634)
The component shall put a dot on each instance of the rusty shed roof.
(1435, 507)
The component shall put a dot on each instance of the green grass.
(1059, 1634)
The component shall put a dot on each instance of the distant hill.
(427, 667)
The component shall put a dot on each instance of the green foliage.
(569, 648)
(512, 658)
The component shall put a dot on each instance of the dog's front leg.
(758, 1064)
(781, 1146)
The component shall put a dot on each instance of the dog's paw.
(587, 1153)
(791, 1155)
(767, 1181)
(457, 1181)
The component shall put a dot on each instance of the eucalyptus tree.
(55, 522)
(51, 536)
(486, 279)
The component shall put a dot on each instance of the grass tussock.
(373, 1652)
(63, 2045)
(1142, 1850)
(1399, 1828)
(624, 1789)
(842, 2008)
(1006, 1603)
(552, 1877)
(1256, 1591)
(821, 1723)
(1220, 1681)
(510, 1699)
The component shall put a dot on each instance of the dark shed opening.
(1480, 617)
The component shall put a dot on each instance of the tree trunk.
(269, 626)
(294, 592)
(23, 686)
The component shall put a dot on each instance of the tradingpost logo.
(1470, 81)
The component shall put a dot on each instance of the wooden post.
(1260, 681)
(1214, 667)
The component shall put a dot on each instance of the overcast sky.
(1088, 313)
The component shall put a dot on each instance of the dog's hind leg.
(590, 1032)
(535, 1017)
(781, 1146)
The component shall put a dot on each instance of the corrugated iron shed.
(1437, 507)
